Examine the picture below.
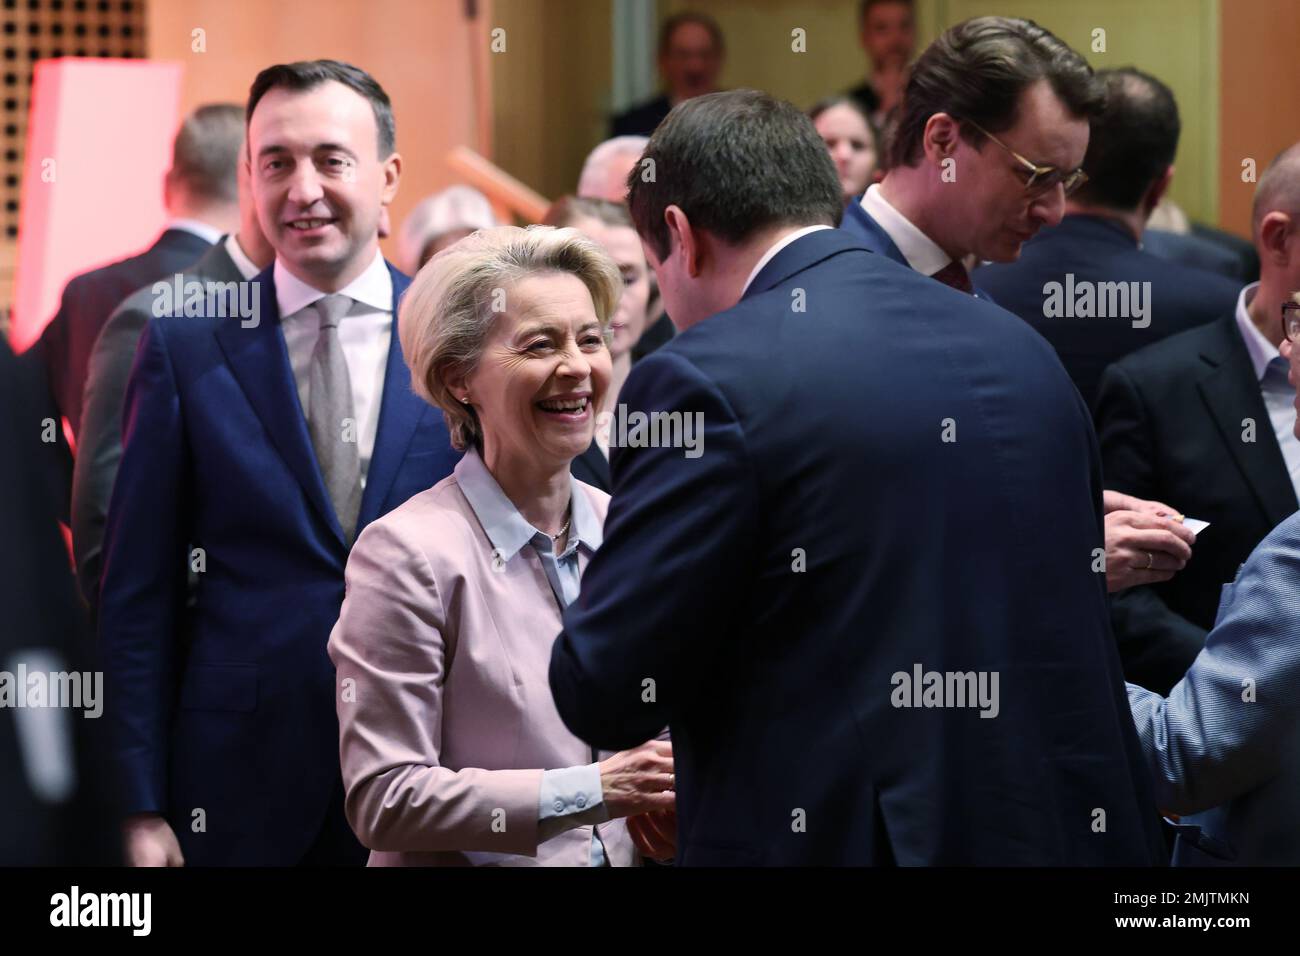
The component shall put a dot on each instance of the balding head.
(604, 174)
(1278, 189)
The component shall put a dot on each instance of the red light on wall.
(99, 137)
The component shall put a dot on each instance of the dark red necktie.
(955, 275)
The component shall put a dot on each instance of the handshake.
(1146, 541)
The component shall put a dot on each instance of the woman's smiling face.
(543, 373)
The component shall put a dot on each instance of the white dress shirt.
(364, 333)
(771, 254)
(247, 268)
(1271, 371)
(209, 234)
(920, 251)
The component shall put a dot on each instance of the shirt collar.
(1261, 350)
(236, 252)
(507, 529)
(209, 234)
(373, 288)
(774, 249)
(921, 252)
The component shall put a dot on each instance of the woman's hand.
(639, 780)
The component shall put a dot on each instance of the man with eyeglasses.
(985, 97)
(993, 131)
(1123, 298)
(1224, 746)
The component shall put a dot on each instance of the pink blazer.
(446, 720)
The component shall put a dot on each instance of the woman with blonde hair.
(451, 747)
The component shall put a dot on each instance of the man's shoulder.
(1176, 354)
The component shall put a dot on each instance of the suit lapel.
(859, 222)
(259, 360)
(399, 415)
(1231, 392)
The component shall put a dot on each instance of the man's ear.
(1274, 231)
(1157, 193)
(687, 239)
(392, 173)
(941, 137)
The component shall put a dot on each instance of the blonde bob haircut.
(447, 314)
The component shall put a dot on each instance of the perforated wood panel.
(32, 30)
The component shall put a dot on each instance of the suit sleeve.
(666, 587)
(1222, 730)
(391, 654)
(99, 444)
(1156, 644)
(145, 567)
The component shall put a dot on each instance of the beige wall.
(1260, 43)
(423, 52)
(550, 88)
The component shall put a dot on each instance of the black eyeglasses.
(1042, 179)
(1291, 321)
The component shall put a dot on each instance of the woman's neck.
(541, 493)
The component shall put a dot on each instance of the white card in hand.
(1195, 525)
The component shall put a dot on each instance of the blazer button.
(559, 806)
(581, 801)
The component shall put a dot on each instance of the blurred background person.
(1205, 419)
(55, 805)
(691, 52)
(202, 202)
(609, 225)
(605, 176)
(606, 168)
(236, 257)
(851, 138)
(439, 221)
(470, 764)
(1129, 164)
(887, 32)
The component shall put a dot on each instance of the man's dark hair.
(670, 26)
(1132, 142)
(207, 150)
(309, 74)
(977, 70)
(736, 163)
(864, 7)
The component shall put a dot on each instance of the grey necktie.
(330, 420)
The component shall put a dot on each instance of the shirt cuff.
(570, 797)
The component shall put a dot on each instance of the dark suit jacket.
(640, 120)
(89, 299)
(99, 443)
(766, 598)
(1195, 251)
(1095, 250)
(229, 705)
(861, 224)
(1170, 418)
(592, 467)
(45, 818)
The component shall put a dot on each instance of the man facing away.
(254, 451)
(854, 577)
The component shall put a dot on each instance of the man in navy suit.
(201, 200)
(259, 439)
(861, 595)
(1086, 284)
(983, 158)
